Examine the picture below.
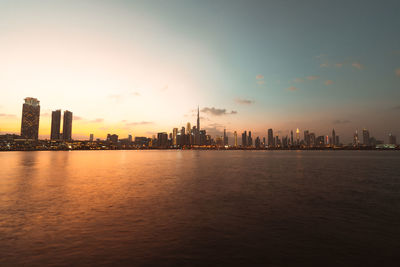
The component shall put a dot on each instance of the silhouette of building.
(30, 118)
(291, 138)
(258, 142)
(307, 140)
(235, 138)
(366, 141)
(244, 139)
(271, 141)
(334, 137)
(67, 126)
(297, 136)
(356, 140)
(392, 139)
(225, 138)
(91, 137)
(250, 140)
(55, 125)
(162, 140)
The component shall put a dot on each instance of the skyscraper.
(334, 137)
(188, 128)
(91, 137)
(67, 126)
(250, 140)
(356, 141)
(291, 138)
(298, 136)
(366, 137)
(392, 139)
(198, 119)
(244, 139)
(174, 136)
(235, 138)
(55, 124)
(225, 138)
(307, 138)
(271, 138)
(30, 118)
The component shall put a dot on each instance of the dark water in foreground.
(200, 208)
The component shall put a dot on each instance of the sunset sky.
(141, 67)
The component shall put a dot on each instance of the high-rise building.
(312, 139)
(188, 128)
(271, 142)
(258, 142)
(334, 137)
(175, 136)
(67, 126)
(307, 140)
(298, 136)
(291, 138)
(356, 140)
(130, 138)
(91, 137)
(244, 139)
(235, 138)
(366, 137)
(225, 138)
(30, 118)
(162, 140)
(250, 140)
(55, 125)
(197, 132)
(392, 139)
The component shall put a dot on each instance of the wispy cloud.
(4, 115)
(298, 80)
(217, 111)
(328, 82)
(324, 65)
(77, 118)
(244, 101)
(312, 77)
(260, 77)
(292, 88)
(341, 121)
(357, 65)
(397, 72)
(98, 120)
(139, 123)
(339, 65)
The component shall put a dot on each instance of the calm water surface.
(200, 208)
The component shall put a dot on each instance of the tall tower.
(334, 137)
(67, 126)
(198, 119)
(298, 136)
(235, 137)
(55, 125)
(30, 118)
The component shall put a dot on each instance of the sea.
(200, 208)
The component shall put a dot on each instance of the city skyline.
(191, 136)
(140, 67)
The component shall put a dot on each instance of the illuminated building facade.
(30, 118)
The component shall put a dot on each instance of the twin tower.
(30, 122)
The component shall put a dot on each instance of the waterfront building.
(334, 137)
(271, 142)
(175, 137)
(298, 136)
(30, 119)
(392, 139)
(55, 125)
(235, 138)
(67, 126)
(366, 141)
(244, 139)
(91, 137)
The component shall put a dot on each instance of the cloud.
(324, 65)
(7, 115)
(139, 123)
(341, 121)
(260, 82)
(338, 65)
(298, 80)
(217, 112)
(312, 77)
(328, 82)
(98, 120)
(77, 118)
(260, 77)
(397, 72)
(135, 94)
(244, 101)
(292, 88)
(357, 65)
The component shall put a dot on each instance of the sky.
(142, 67)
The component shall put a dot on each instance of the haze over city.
(142, 67)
